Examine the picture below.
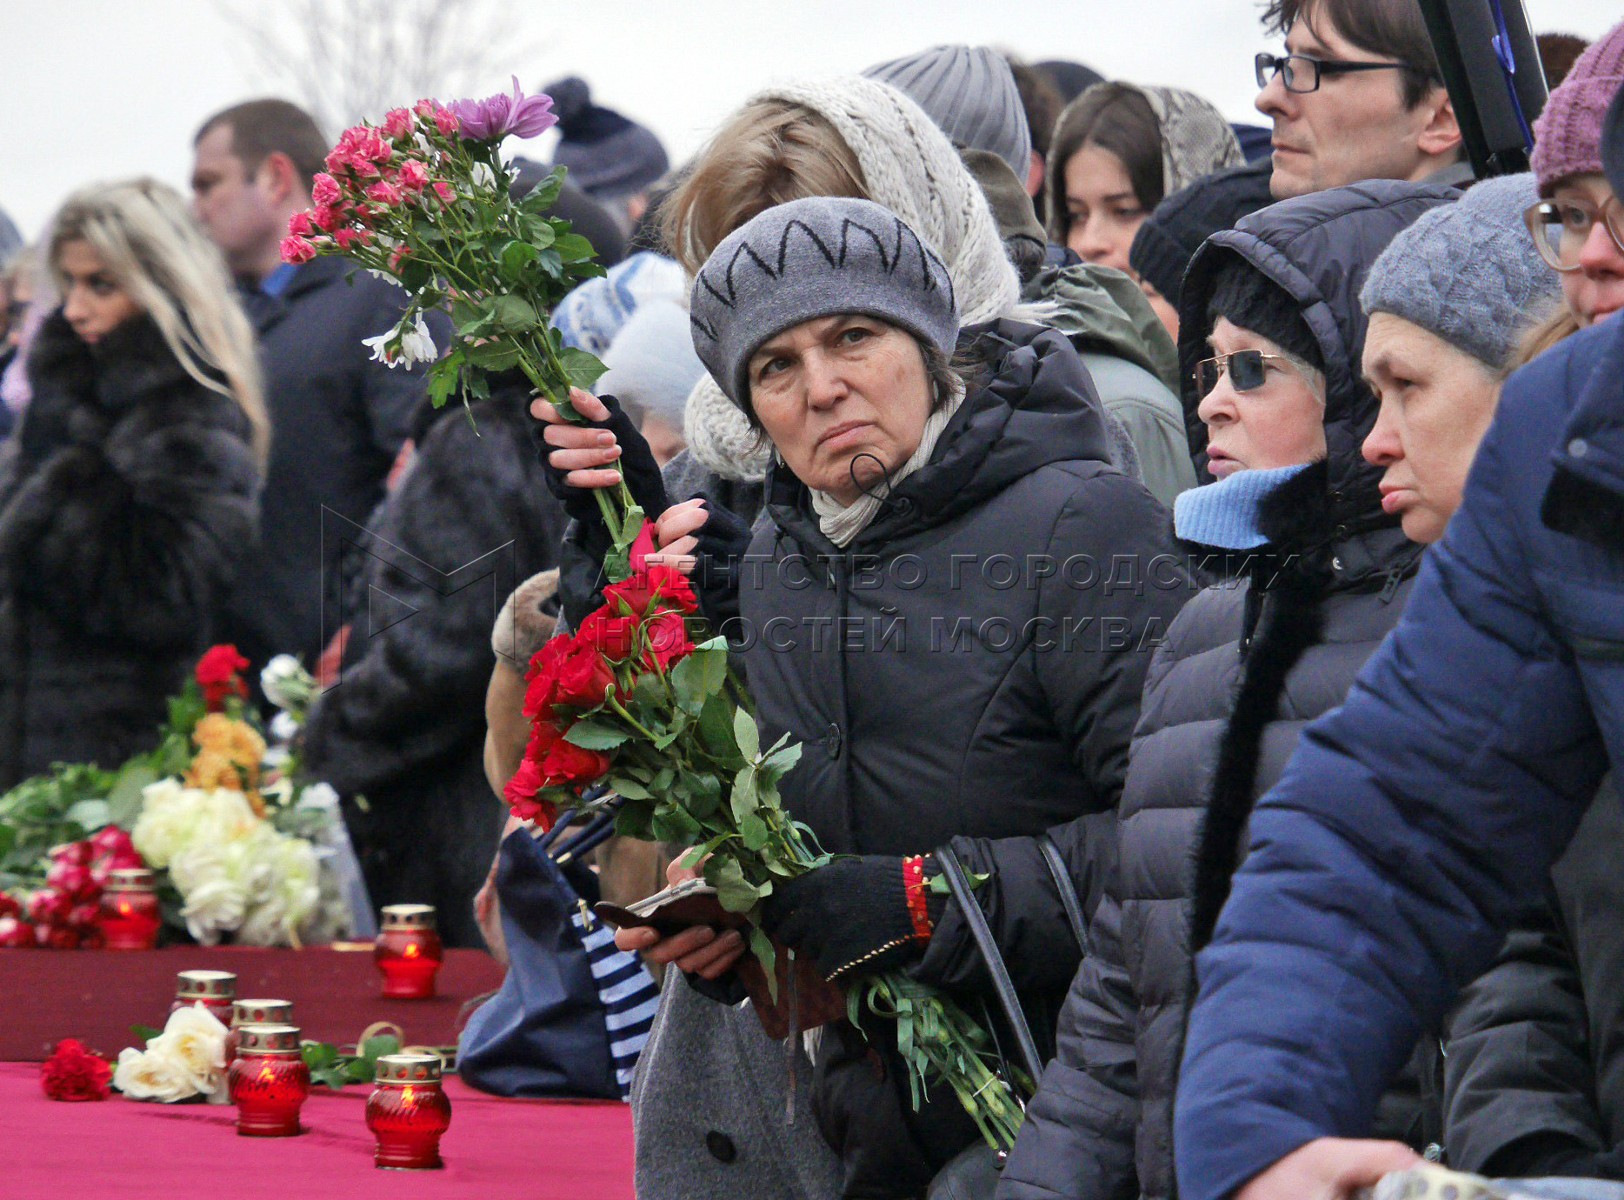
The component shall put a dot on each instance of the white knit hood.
(911, 168)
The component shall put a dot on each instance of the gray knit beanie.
(813, 258)
(970, 92)
(1468, 272)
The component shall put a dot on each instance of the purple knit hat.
(1567, 135)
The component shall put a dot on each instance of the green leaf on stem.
(589, 735)
(753, 832)
(767, 955)
(124, 801)
(572, 247)
(716, 730)
(688, 683)
(144, 1033)
(583, 370)
(704, 792)
(493, 356)
(629, 788)
(672, 823)
(515, 257)
(778, 764)
(514, 313)
(733, 890)
(744, 800)
(744, 734)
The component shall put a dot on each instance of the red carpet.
(122, 1150)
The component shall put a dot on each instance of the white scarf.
(841, 523)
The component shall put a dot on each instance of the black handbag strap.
(958, 885)
(1068, 893)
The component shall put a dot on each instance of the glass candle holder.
(269, 1081)
(408, 951)
(129, 917)
(408, 1111)
(213, 989)
(255, 1012)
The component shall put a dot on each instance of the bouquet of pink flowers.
(640, 699)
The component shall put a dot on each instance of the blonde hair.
(155, 252)
(772, 152)
(1557, 327)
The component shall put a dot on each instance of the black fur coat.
(127, 505)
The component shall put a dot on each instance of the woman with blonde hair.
(128, 496)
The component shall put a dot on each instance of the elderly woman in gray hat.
(931, 611)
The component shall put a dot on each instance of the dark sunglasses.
(1302, 74)
(1247, 369)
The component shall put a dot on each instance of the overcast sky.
(108, 88)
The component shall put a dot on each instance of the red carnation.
(668, 641)
(218, 674)
(71, 880)
(16, 934)
(49, 906)
(73, 1072)
(612, 636)
(112, 841)
(9, 907)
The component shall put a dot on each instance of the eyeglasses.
(1302, 74)
(1562, 227)
(1247, 370)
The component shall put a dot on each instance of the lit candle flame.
(413, 950)
(125, 908)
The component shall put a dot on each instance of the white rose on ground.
(195, 1039)
(143, 1075)
(291, 898)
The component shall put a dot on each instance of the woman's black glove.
(636, 466)
(723, 540)
(849, 916)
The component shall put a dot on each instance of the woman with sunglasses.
(1578, 224)
(1271, 336)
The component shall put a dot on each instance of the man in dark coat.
(1469, 749)
(1245, 667)
(338, 416)
(404, 727)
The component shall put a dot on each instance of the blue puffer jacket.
(1417, 822)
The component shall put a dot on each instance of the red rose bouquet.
(636, 699)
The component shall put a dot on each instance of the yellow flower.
(229, 754)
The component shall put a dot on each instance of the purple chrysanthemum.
(498, 116)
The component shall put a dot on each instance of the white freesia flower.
(483, 176)
(284, 726)
(143, 1075)
(417, 344)
(286, 683)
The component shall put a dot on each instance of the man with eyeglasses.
(1356, 95)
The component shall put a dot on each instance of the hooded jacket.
(127, 508)
(1245, 667)
(959, 672)
(1470, 747)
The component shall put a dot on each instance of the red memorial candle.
(408, 1111)
(255, 1012)
(269, 1081)
(213, 989)
(129, 917)
(408, 951)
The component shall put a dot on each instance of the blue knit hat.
(1468, 272)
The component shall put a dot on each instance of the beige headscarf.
(912, 169)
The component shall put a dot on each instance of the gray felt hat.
(813, 258)
(970, 92)
(1468, 272)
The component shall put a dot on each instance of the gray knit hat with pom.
(814, 258)
(1468, 272)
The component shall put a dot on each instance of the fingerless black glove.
(849, 917)
(636, 466)
(723, 540)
